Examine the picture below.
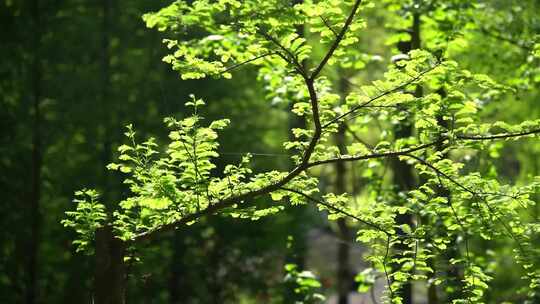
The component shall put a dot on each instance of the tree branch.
(497, 136)
(337, 41)
(234, 66)
(338, 210)
(478, 195)
(230, 201)
(305, 164)
(375, 155)
(329, 26)
(297, 65)
(357, 138)
(383, 94)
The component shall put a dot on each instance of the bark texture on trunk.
(110, 271)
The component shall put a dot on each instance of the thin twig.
(497, 136)
(375, 155)
(337, 41)
(357, 138)
(237, 65)
(383, 94)
(290, 58)
(338, 210)
(329, 26)
(384, 267)
(475, 194)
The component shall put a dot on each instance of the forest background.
(75, 73)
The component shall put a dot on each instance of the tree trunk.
(432, 294)
(404, 179)
(344, 276)
(454, 282)
(178, 293)
(105, 108)
(296, 254)
(344, 282)
(110, 272)
(37, 159)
